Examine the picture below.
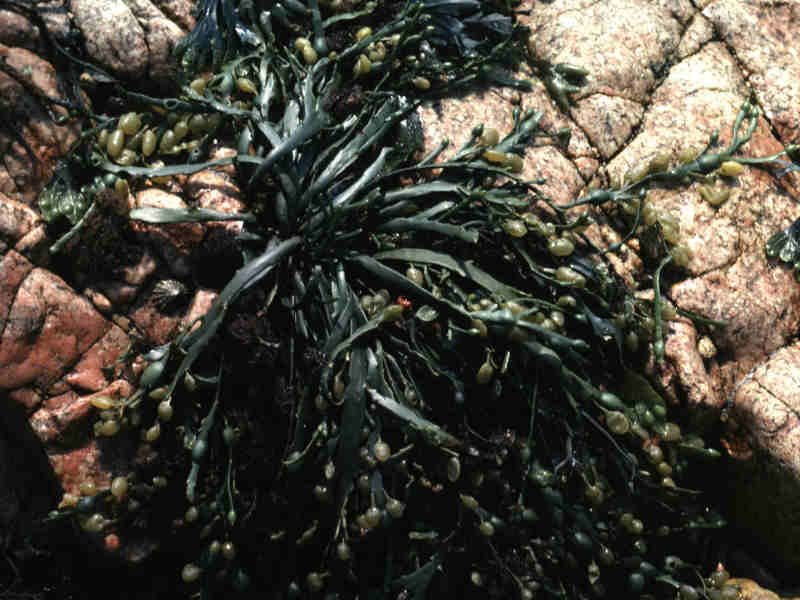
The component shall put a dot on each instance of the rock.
(159, 326)
(114, 37)
(48, 328)
(179, 12)
(702, 386)
(131, 39)
(17, 222)
(215, 190)
(30, 149)
(620, 117)
(21, 28)
(698, 32)
(54, 344)
(456, 118)
(750, 590)
(172, 242)
(766, 478)
(87, 374)
(629, 115)
(200, 305)
(160, 35)
(767, 49)
(25, 494)
(617, 52)
(137, 274)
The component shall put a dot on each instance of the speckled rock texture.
(27, 156)
(662, 79)
(663, 75)
(750, 590)
(131, 39)
(57, 338)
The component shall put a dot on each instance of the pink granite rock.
(161, 35)
(172, 242)
(48, 328)
(763, 36)
(159, 326)
(55, 346)
(564, 170)
(23, 175)
(17, 221)
(20, 28)
(618, 52)
(750, 590)
(764, 413)
(179, 12)
(114, 37)
(87, 374)
(132, 39)
(630, 115)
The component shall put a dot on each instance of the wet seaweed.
(418, 381)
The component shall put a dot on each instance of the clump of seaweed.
(415, 382)
(785, 246)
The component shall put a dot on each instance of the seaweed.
(785, 246)
(218, 35)
(415, 381)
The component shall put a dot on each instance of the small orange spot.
(112, 542)
(404, 302)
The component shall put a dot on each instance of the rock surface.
(663, 76)
(132, 40)
(57, 340)
(31, 147)
(658, 85)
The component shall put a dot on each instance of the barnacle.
(168, 294)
